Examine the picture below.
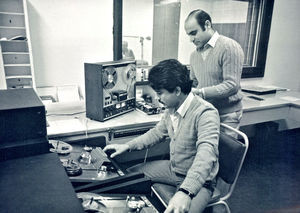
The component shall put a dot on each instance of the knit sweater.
(219, 74)
(194, 146)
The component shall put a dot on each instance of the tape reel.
(129, 74)
(109, 77)
(60, 147)
(72, 168)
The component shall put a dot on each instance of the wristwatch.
(191, 195)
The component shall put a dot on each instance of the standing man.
(216, 68)
(193, 127)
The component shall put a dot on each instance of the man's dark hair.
(201, 16)
(168, 75)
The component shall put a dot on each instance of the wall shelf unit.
(16, 64)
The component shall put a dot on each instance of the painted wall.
(65, 34)
(283, 62)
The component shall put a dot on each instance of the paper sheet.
(68, 93)
(70, 125)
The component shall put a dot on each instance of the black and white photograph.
(149, 106)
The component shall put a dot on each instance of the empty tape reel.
(129, 74)
(60, 147)
(109, 77)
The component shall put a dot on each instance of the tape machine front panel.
(118, 83)
(109, 89)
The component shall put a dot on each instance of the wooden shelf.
(13, 53)
(9, 41)
(11, 13)
(6, 27)
(16, 65)
(18, 76)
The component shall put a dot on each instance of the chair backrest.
(232, 153)
(230, 157)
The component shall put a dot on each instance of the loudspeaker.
(22, 124)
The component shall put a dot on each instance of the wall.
(65, 34)
(138, 21)
(283, 62)
(165, 30)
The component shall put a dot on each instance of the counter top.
(69, 118)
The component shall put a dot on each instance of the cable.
(65, 114)
(146, 155)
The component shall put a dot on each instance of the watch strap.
(191, 195)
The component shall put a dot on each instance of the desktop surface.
(36, 184)
(273, 107)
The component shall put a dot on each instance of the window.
(246, 21)
(252, 34)
(257, 37)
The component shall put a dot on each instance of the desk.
(283, 105)
(64, 122)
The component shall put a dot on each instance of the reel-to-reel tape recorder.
(109, 89)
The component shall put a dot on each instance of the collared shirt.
(194, 147)
(209, 45)
(176, 116)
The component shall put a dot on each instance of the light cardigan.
(193, 148)
(219, 74)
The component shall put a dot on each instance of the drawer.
(11, 32)
(12, 6)
(14, 46)
(19, 83)
(21, 58)
(11, 20)
(17, 70)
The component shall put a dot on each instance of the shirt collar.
(185, 105)
(212, 41)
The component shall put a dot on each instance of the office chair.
(232, 153)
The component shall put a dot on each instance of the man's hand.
(180, 203)
(115, 149)
(198, 92)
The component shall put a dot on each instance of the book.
(258, 90)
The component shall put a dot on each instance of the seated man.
(193, 126)
(126, 52)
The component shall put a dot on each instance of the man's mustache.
(161, 102)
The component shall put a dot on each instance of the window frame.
(262, 44)
(258, 70)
